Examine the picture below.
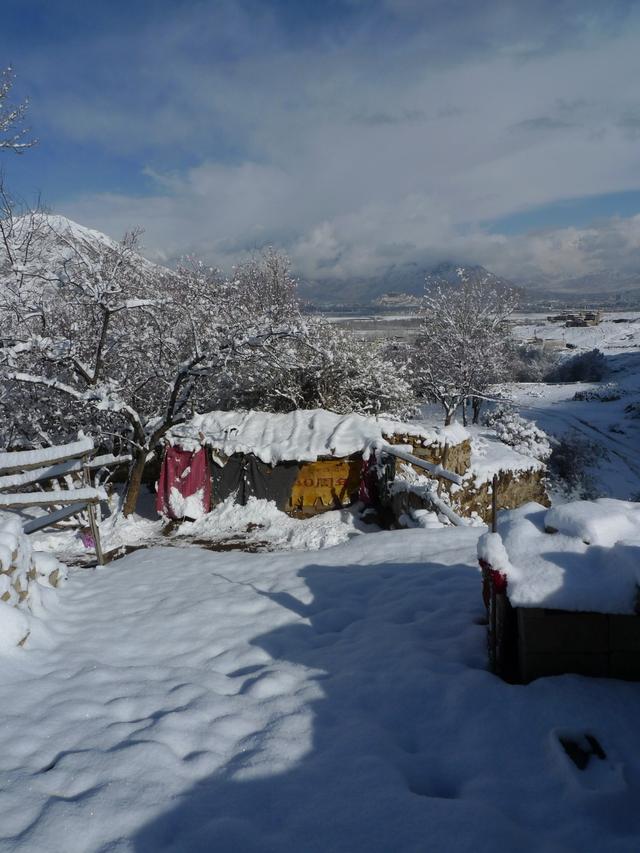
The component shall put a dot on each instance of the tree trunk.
(477, 406)
(464, 412)
(448, 415)
(134, 483)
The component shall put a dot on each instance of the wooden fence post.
(93, 524)
(494, 504)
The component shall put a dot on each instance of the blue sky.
(356, 134)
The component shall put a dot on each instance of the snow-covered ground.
(337, 700)
(609, 426)
(327, 694)
(258, 526)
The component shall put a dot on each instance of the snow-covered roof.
(590, 563)
(303, 435)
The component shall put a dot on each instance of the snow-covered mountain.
(43, 243)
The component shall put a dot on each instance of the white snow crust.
(562, 571)
(180, 700)
(44, 455)
(601, 522)
(301, 435)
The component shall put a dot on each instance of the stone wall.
(515, 488)
(458, 456)
(23, 573)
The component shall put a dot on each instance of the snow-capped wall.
(303, 435)
(581, 556)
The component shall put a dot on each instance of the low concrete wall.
(552, 642)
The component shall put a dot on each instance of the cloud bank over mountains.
(362, 135)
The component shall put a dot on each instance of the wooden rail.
(434, 470)
(27, 467)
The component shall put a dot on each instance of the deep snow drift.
(182, 700)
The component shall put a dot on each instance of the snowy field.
(336, 700)
(611, 430)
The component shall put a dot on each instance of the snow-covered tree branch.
(13, 135)
(463, 343)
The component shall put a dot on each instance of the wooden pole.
(91, 511)
(494, 504)
(445, 456)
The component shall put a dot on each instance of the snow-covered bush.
(326, 368)
(518, 432)
(588, 366)
(569, 466)
(529, 363)
(606, 394)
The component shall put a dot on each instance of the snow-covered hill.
(405, 282)
(604, 416)
(42, 244)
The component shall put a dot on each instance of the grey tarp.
(247, 476)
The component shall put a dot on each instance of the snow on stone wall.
(23, 574)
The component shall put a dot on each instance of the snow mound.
(490, 455)
(601, 522)
(562, 571)
(261, 522)
(23, 575)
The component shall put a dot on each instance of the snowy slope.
(336, 701)
(611, 426)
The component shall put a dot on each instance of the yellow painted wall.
(327, 483)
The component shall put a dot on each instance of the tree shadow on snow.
(377, 764)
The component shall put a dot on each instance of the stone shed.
(477, 455)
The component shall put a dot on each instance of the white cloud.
(352, 158)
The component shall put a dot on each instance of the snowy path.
(184, 700)
(627, 452)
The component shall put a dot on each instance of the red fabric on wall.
(186, 472)
(368, 481)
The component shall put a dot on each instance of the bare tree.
(127, 349)
(13, 135)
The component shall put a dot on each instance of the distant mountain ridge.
(400, 286)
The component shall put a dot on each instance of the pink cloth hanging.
(184, 487)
